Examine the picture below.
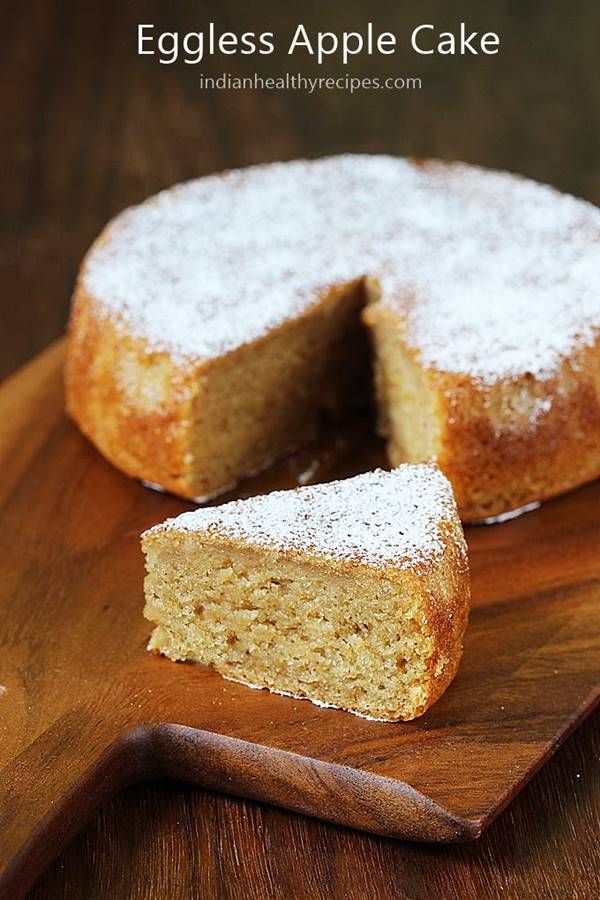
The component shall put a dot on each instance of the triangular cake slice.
(352, 594)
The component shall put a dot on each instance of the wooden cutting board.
(84, 709)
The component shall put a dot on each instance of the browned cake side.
(213, 324)
(503, 446)
(198, 428)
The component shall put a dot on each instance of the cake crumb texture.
(215, 325)
(352, 594)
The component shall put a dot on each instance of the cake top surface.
(494, 275)
(383, 519)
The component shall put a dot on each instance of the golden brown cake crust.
(447, 621)
(499, 328)
(169, 421)
(512, 443)
(495, 468)
(108, 377)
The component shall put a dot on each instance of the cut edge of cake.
(507, 435)
(197, 428)
(353, 594)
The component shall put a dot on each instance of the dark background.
(89, 127)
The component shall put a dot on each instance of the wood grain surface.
(88, 128)
(86, 710)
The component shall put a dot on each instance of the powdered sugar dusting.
(495, 275)
(381, 518)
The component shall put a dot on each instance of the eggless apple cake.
(213, 325)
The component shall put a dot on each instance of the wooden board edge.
(341, 794)
(553, 745)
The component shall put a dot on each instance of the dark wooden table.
(89, 127)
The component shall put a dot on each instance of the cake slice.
(352, 594)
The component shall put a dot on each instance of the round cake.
(213, 325)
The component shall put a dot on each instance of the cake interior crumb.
(347, 639)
